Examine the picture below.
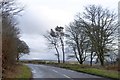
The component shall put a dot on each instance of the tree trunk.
(17, 57)
(76, 55)
(78, 49)
(63, 50)
(58, 54)
(102, 60)
(91, 56)
(91, 59)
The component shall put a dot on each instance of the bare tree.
(100, 25)
(60, 35)
(78, 40)
(53, 41)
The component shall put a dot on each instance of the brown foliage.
(10, 34)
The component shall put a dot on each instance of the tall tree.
(78, 40)
(53, 41)
(100, 25)
(60, 35)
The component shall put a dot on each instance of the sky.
(40, 16)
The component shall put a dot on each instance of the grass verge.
(20, 72)
(90, 70)
(94, 71)
(25, 72)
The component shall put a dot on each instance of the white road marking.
(62, 74)
(72, 71)
(66, 76)
(55, 71)
(33, 71)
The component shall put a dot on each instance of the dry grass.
(113, 67)
(17, 72)
(10, 73)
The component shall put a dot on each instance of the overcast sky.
(42, 15)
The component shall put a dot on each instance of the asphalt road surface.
(43, 72)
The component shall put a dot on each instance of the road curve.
(43, 72)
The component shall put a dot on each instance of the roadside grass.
(20, 72)
(100, 72)
(25, 73)
(90, 70)
(94, 70)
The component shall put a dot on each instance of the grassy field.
(95, 70)
(20, 72)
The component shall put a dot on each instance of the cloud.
(42, 15)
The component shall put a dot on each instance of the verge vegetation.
(19, 72)
(12, 46)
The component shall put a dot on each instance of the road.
(43, 72)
